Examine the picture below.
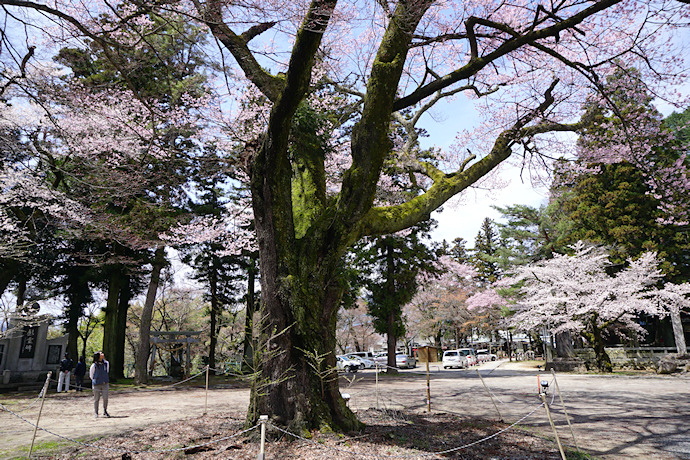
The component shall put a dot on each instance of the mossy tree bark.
(303, 234)
(594, 336)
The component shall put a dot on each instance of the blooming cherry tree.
(575, 293)
(527, 65)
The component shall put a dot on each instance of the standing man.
(100, 382)
(66, 366)
(79, 372)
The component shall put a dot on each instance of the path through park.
(614, 417)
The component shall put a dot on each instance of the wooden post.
(428, 388)
(553, 427)
(262, 452)
(564, 409)
(152, 361)
(189, 358)
(206, 401)
(490, 395)
(377, 385)
(43, 398)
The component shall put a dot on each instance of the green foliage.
(458, 251)
(679, 123)
(390, 265)
(527, 236)
(485, 254)
(614, 208)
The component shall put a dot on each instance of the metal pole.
(564, 409)
(553, 427)
(43, 398)
(490, 395)
(428, 388)
(262, 420)
(206, 401)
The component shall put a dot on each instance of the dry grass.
(397, 434)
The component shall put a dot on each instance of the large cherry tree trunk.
(302, 233)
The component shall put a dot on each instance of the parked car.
(402, 360)
(470, 355)
(381, 359)
(484, 356)
(363, 354)
(453, 358)
(364, 362)
(347, 365)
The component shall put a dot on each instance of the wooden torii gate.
(182, 338)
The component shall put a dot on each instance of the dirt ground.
(613, 417)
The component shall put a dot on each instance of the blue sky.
(463, 220)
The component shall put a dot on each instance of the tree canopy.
(370, 70)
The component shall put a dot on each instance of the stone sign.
(26, 354)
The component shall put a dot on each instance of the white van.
(455, 358)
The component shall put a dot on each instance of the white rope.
(429, 454)
(32, 403)
(160, 388)
(85, 444)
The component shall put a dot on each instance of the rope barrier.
(390, 400)
(428, 454)
(85, 444)
(161, 388)
(32, 403)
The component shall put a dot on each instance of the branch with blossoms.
(233, 233)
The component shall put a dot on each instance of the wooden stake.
(43, 398)
(553, 427)
(428, 388)
(206, 402)
(564, 409)
(490, 395)
(377, 385)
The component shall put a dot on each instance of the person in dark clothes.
(79, 372)
(100, 382)
(66, 366)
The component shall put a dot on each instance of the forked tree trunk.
(110, 321)
(117, 363)
(77, 295)
(296, 329)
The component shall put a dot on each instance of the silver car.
(347, 365)
(363, 362)
(401, 360)
(405, 361)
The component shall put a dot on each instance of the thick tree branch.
(477, 63)
(390, 219)
(212, 15)
(370, 143)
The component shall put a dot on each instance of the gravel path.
(613, 417)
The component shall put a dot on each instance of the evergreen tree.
(527, 236)
(391, 265)
(485, 253)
